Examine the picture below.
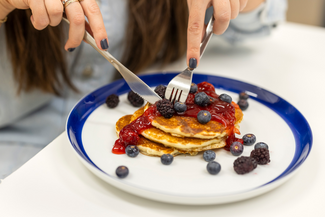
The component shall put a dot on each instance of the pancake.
(189, 127)
(181, 144)
(146, 146)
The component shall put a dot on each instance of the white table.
(290, 63)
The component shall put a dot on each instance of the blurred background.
(310, 12)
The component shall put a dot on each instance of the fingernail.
(192, 63)
(104, 44)
(71, 49)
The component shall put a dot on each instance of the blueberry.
(213, 167)
(132, 150)
(166, 159)
(243, 95)
(236, 148)
(180, 107)
(243, 104)
(261, 145)
(226, 98)
(201, 99)
(209, 155)
(193, 88)
(122, 172)
(249, 139)
(211, 100)
(203, 116)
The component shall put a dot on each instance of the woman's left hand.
(223, 12)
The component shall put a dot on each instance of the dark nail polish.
(104, 44)
(192, 63)
(71, 49)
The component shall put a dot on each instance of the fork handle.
(207, 36)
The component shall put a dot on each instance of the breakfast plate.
(91, 131)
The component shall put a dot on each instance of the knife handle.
(125, 72)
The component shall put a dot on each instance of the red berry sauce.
(221, 112)
(129, 135)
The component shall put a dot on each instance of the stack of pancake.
(179, 134)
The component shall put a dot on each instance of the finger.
(76, 18)
(96, 23)
(222, 12)
(234, 4)
(39, 17)
(194, 31)
(54, 10)
(243, 4)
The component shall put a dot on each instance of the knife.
(134, 82)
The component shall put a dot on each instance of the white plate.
(91, 131)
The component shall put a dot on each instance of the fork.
(179, 87)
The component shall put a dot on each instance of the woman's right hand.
(50, 12)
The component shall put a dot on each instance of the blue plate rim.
(293, 118)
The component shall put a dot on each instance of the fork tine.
(178, 96)
(183, 96)
(174, 97)
(169, 92)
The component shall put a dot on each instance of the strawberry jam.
(220, 111)
(129, 135)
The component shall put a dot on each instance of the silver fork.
(179, 87)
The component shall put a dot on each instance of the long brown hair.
(156, 32)
(36, 56)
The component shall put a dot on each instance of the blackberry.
(112, 101)
(160, 90)
(261, 155)
(244, 165)
(193, 88)
(165, 107)
(226, 98)
(201, 99)
(243, 95)
(135, 99)
(243, 104)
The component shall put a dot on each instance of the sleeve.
(257, 23)
(13, 106)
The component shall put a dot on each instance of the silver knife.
(134, 82)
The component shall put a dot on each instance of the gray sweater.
(37, 117)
